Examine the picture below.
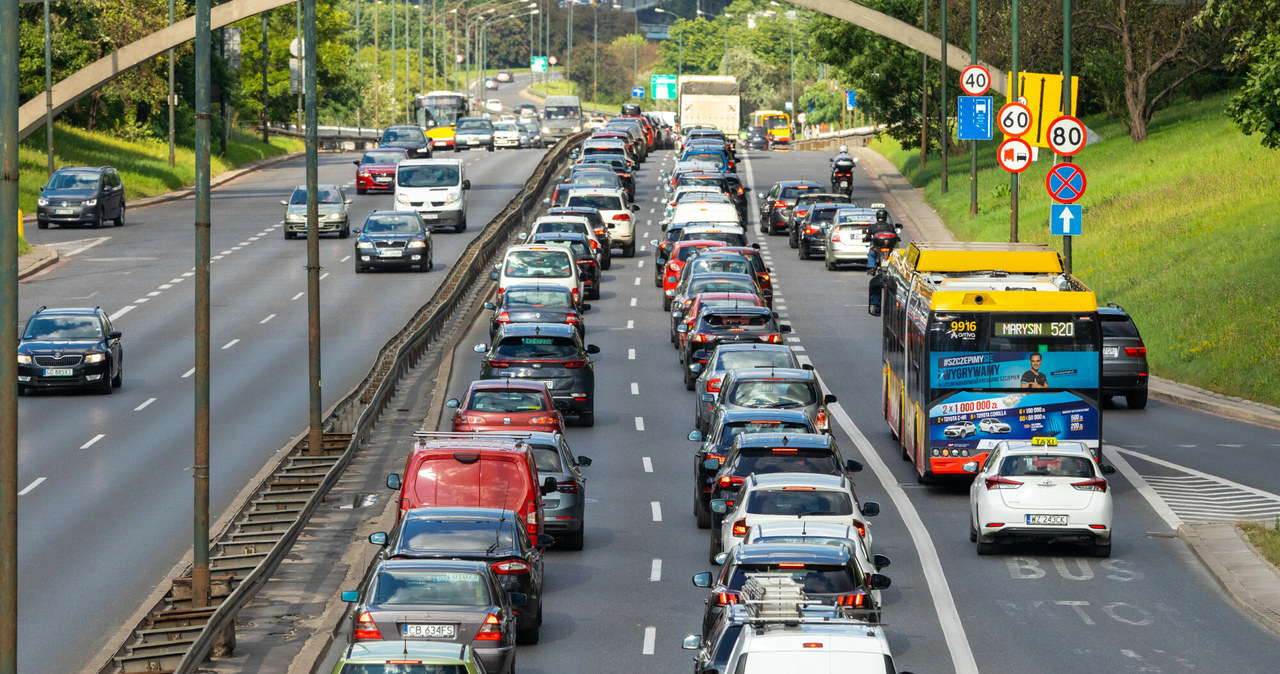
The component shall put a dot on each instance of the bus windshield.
(442, 109)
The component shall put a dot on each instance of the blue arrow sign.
(1065, 220)
(975, 118)
(637, 92)
(851, 98)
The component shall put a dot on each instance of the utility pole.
(266, 137)
(568, 49)
(945, 135)
(298, 22)
(973, 144)
(924, 96)
(9, 336)
(48, 91)
(200, 469)
(1013, 96)
(595, 48)
(315, 434)
(377, 68)
(1066, 102)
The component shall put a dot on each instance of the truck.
(711, 100)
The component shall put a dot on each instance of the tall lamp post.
(724, 62)
(595, 48)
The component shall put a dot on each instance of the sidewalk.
(1248, 579)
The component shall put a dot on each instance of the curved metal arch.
(84, 81)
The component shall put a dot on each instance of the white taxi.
(792, 497)
(1040, 490)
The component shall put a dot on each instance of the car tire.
(359, 269)
(461, 226)
(607, 262)
(629, 250)
(831, 265)
(715, 548)
(986, 547)
(573, 541)
(595, 293)
(22, 390)
(526, 637)
(97, 222)
(105, 388)
(457, 150)
(120, 218)
(792, 240)
(1102, 549)
(289, 235)
(42, 224)
(1136, 401)
(345, 232)
(118, 380)
(700, 512)
(688, 381)
(666, 303)
(587, 419)
(490, 148)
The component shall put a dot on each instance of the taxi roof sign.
(1044, 442)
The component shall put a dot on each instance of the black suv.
(411, 139)
(1124, 357)
(393, 240)
(550, 353)
(70, 348)
(78, 195)
(776, 205)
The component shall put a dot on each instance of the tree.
(1254, 51)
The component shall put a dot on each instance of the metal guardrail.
(176, 638)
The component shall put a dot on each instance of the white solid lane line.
(650, 638)
(647, 463)
(27, 490)
(122, 311)
(269, 317)
(655, 571)
(230, 344)
(1154, 499)
(89, 444)
(657, 510)
(639, 423)
(144, 405)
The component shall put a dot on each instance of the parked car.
(81, 195)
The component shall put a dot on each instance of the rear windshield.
(547, 458)
(537, 347)
(474, 125)
(603, 202)
(730, 431)
(538, 264)
(686, 252)
(822, 216)
(732, 360)
(722, 266)
(435, 588)
(725, 302)
(507, 401)
(832, 541)
(457, 535)
(594, 178)
(538, 299)
(1118, 326)
(463, 479)
(735, 321)
(816, 579)
(773, 393)
(402, 135)
(796, 503)
(396, 668)
(1047, 466)
(784, 460)
(717, 159)
(700, 180)
(813, 660)
(698, 286)
(729, 238)
(566, 226)
(793, 191)
(434, 175)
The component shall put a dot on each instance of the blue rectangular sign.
(1014, 369)
(851, 98)
(637, 92)
(1064, 220)
(976, 114)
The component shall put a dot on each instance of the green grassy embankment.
(1265, 538)
(1181, 230)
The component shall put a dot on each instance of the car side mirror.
(702, 579)
(480, 348)
(756, 246)
(682, 328)
(592, 348)
(583, 461)
(1107, 469)
(393, 481)
(378, 538)
(870, 509)
(546, 540)
(719, 506)
(348, 201)
(853, 466)
(653, 242)
(452, 403)
(879, 581)
(695, 435)
(807, 366)
(585, 308)
(490, 306)
(635, 208)
(548, 486)
(517, 598)
(356, 162)
(760, 196)
(547, 200)
(284, 202)
(350, 596)
(711, 464)
(114, 334)
(880, 561)
(784, 328)
(670, 293)
(970, 467)
(829, 399)
(466, 184)
(691, 643)
(493, 276)
(720, 558)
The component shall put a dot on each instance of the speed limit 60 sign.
(1014, 119)
(1066, 135)
(975, 80)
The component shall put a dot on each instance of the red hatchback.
(675, 264)
(506, 405)
(376, 170)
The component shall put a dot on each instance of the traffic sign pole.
(1066, 107)
(1013, 96)
(973, 144)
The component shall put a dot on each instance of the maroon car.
(376, 170)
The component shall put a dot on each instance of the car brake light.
(491, 630)
(365, 628)
(699, 337)
(622, 217)
(1001, 482)
(599, 232)
(587, 263)
(575, 294)
(764, 277)
(543, 420)
(730, 481)
(822, 418)
(573, 364)
(779, 204)
(726, 598)
(739, 528)
(1096, 484)
(835, 237)
(499, 364)
(717, 457)
(713, 386)
(510, 567)
(570, 487)
(571, 319)
(861, 527)
(785, 450)
(503, 317)
(855, 600)
(468, 419)
(810, 229)
(1135, 351)
(673, 266)
(791, 565)
(771, 339)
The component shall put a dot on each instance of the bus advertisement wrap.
(1014, 369)
(979, 420)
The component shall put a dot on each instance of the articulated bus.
(437, 112)
(985, 342)
(776, 122)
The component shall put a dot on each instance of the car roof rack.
(777, 599)
(468, 434)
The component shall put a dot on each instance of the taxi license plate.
(1052, 520)
(391, 252)
(428, 631)
(58, 372)
(1110, 351)
(62, 211)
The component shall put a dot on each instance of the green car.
(408, 657)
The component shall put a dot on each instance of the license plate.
(1052, 520)
(549, 383)
(442, 143)
(62, 211)
(473, 142)
(430, 216)
(58, 372)
(429, 631)
(392, 252)
(382, 179)
(1110, 351)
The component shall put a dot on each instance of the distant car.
(376, 169)
(1124, 357)
(411, 139)
(527, 111)
(490, 83)
(776, 204)
(506, 134)
(394, 239)
(333, 212)
(757, 138)
(493, 105)
(504, 76)
(70, 348)
(473, 132)
(530, 134)
(992, 426)
(81, 195)
(960, 429)
(596, 121)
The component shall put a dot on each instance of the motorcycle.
(842, 176)
(883, 243)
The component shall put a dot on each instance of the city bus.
(776, 123)
(437, 112)
(985, 342)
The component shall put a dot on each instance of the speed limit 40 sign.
(1014, 119)
(975, 80)
(1066, 136)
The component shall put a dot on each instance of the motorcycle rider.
(880, 226)
(842, 162)
(842, 152)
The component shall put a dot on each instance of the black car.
(588, 266)
(800, 209)
(775, 206)
(811, 230)
(473, 132)
(761, 453)
(1124, 357)
(70, 348)
(81, 195)
(535, 303)
(411, 139)
(549, 353)
(738, 192)
(489, 535)
(726, 426)
(724, 325)
(393, 240)
(757, 138)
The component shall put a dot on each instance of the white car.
(506, 134)
(493, 105)
(618, 216)
(436, 189)
(960, 429)
(550, 263)
(818, 533)
(810, 646)
(1040, 490)
(694, 193)
(992, 426)
(791, 497)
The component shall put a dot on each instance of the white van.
(704, 211)
(550, 263)
(436, 188)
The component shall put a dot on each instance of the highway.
(106, 489)
(625, 602)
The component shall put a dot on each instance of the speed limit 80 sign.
(975, 80)
(1014, 119)
(1066, 136)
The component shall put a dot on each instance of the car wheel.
(792, 240)
(345, 232)
(688, 380)
(607, 261)
(629, 250)
(587, 419)
(361, 190)
(831, 265)
(1136, 401)
(118, 380)
(42, 224)
(457, 149)
(700, 512)
(986, 547)
(490, 148)
(595, 293)
(511, 666)
(120, 218)
(288, 234)
(573, 541)
(524, 637)
(97, 222)
(715, 547)
(359, 269)
(1102, 549)
(105, 388)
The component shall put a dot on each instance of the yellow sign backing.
(1043, 95)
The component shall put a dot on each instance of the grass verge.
(1181, 230)
(1265, 538)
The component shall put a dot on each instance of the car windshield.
(428, 175)
(560, 112)
(547, 459)
(406, 668)
(732, 360)
(1046, 466)
(473, 125)
(595, 178)
(773, 393)
(832, 541)
(602, 160)
(723, 266)
(785, 460)
(382, 157)
(730, 238)
(537, 347)
(733, 430)
(73, 180)
(560, 227)
(736, 321)
(63, 327)
(603, 202)
(504, 126)
(328, 195)
(815, 578)
(794, 191)
(796, 502)
(536, 299)
(507, 401)
(698, 286)
(456, 536)
(686, 252)
(538, 264)
(413, 135)
(392, 224)
(434, 588)
(717, 159)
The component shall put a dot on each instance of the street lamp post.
(595, 47)
(724, 62)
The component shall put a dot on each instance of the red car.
(675, 264)
(506, 405)
(376, 170)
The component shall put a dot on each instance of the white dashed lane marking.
(639, 423)
(144, 405)
(655, 571)
(635, 389)
(91, 442)
(657, 510)
(269, 317)
(650, 638)
(296, 296)
(189, 373)
(647, 463)
(230, 344)
(631, 354)
(33, 485)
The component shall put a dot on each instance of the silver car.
(728, 357)
(334, 216)
(845, 244)
(563, 509)
(773, 388)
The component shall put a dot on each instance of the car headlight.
(91, 202)
(546, 129)
(402, 198)
(577, 128)
(295, 216)
(451, 198)
(95, 358)
(24, 359)
(335, 216)
(417, 244)
(42, 202)
(366, 245)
